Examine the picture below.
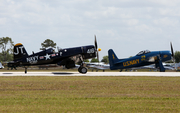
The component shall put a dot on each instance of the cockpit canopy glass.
(143, 52)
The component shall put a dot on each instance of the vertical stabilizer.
(19, 51)
(112, 57)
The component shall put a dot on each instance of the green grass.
(89, 94)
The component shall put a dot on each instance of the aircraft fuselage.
(21, 58)
(141, 60)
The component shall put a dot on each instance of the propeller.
(172, 54)
(96, 47)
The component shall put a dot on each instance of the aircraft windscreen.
(143, 52)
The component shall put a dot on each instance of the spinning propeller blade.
(172, 54)
(98, 56)
(96, 47)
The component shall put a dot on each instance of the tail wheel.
(82, 70)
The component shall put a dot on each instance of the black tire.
(82, 70)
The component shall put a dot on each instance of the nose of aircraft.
(165, 55)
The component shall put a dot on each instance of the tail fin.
(19, 51)
(112, 57)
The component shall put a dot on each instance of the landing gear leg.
(25, 70)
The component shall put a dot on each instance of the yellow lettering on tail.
(113, 56)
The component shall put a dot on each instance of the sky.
(126, 26)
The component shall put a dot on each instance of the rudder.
(112, 57)
(19, 51)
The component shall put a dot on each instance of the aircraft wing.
(102, 67)
(98, 66)
(144, 67)
(152, 67)
(1, 66)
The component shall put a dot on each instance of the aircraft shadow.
(62, 73)
(54, 73)
(7, 73)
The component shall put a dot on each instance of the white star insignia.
(47, 56)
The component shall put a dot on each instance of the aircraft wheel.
(82, 70)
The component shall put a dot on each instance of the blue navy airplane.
(64, 57)
(143, 58)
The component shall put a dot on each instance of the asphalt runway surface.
(168, 74)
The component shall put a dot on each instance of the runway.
(168, 74)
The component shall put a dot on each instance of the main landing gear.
(82, 69)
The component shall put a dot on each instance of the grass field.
(89, 94)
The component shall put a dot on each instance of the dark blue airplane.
(64, 57)
(143, 58)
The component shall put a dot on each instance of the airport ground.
(64, 92)
(59, 71)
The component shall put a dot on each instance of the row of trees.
(177, 56)
(6, 46)
(6, 53)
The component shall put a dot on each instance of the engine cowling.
(89, 52)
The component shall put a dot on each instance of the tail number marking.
(17, 50)
(113, 56)
(91, 50)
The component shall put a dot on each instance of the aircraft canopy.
(143, 52)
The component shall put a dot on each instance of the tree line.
(6, 53)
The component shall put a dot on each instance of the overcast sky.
(127, 26)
